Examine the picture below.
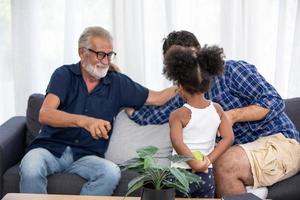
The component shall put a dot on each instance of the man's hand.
(114, 67)
(98, 128)
(129, 111)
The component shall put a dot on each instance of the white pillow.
(127, 137)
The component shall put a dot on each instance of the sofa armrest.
(292, 109)
(12, 142)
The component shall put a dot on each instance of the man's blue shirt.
(104, 102)
(241, 85)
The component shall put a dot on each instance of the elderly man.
(81, 103)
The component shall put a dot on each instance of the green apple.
(198, 155)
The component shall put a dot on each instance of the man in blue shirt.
(81, 103)
(267, 143)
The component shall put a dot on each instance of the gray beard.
(97, 74)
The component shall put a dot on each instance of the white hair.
(93, 31)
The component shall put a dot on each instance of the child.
(194, 126)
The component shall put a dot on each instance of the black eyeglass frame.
(101, 54)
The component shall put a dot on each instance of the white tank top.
(200, 132)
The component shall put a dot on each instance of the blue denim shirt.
(241, 85)
(104, 102)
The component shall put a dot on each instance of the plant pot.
(153, 194)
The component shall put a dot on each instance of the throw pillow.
(127, 137)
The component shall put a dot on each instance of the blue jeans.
(102, 175)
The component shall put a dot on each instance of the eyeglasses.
(101, 54)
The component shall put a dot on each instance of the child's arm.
(226, 133)
(178, 120)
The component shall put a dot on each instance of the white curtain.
(39, 36)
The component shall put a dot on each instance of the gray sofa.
(18, 132)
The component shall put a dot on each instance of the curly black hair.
(192, 68)
(181, 38)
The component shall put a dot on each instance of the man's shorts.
(272, 159)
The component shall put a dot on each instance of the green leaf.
(136, 164)
(191, 177)
(154, 175)
(135, 184)
(177, 186)
(158, 175)
(132, 161)
(180, 177)
(179, 158)
(147, 151)
(148, 162)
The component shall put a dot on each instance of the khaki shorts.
(272, 159)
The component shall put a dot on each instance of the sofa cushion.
(122, 188)
(292, 109)
(127, 137)
(32, 115)
(63, 183)
(286, 189)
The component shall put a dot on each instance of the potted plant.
(155, 179)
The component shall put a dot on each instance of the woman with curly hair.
(195, 125)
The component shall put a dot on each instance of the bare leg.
(232, 172)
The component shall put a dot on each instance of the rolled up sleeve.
(247, 83)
